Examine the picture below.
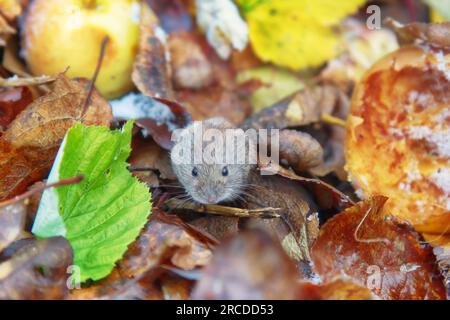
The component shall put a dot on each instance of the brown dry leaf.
(38, 270)
(223, 97)
(326, 196)
(218, 226)
(117, 287)
(340, 288)
(377, 252)
(248, 266)
(12, 102)
(215, 101)
(175, 288)
(434, 33)
(302, 108)
(30, 143)
(151, 70)
(146, 153)
(334, 159)
(165, 239)
(298, 226)
(441, 249)
(191, 68)
(161, 132)
(28, 81)
(299, 150)
(173, 15)
(12, 222)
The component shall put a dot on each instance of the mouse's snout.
(212, 199)
(210, 195)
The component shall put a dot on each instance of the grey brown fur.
(210, 185)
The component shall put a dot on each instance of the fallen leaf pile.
(356, 208)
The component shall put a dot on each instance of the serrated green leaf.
(103, 214)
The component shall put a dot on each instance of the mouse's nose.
(212, 199)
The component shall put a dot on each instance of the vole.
(211, 182)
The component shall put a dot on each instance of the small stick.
(265, 213)
(28, 81)
(329, 119)
(374, 240)
(94, 77)
(25, 195)
(141, 169)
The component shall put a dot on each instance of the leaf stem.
(329, 119)
(40, 188)
(94, 77)
(265, 213)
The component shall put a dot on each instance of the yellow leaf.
(296, 33)
(276, 84)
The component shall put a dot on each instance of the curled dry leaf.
(12, 102)
(151, 70)
(173, 15)
(223, 97)
(191, 68)
(299, 109)
(30, 143)
(299, 150)
(12, 222)
(215, 101)
(117, 287)
(175, 288)
(326, 196)
(38, 270)
(248, 266)
(146, 153)
(333, 151)
(340, 288)
(29, 81)
(155, 118)
(219, 227)
(441, 249)
(165, 240)
(433, 33)
(377, 252)
(298, 225)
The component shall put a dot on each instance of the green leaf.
(104, 213)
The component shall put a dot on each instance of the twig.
(25, 195)
(374, 240)
(329, 119)
(94, 77)
(265, 213)
(28, 81)
(141, 169)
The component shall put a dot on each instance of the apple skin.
(68, 33)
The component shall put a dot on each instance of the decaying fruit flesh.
(398, 136)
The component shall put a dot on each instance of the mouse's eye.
(225, 171)
(194, 172)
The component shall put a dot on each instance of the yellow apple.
(68, 33)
